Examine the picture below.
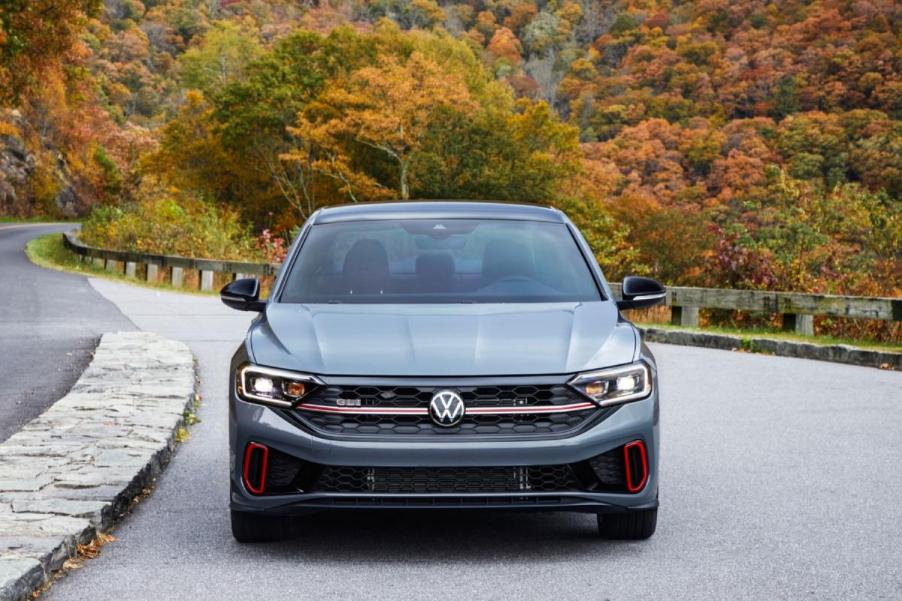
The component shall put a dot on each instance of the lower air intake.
(449, 480)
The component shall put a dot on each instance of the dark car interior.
(366, 270)
(419, 266)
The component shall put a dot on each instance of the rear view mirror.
(243, 295)
(638, 293)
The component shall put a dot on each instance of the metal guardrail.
(175, 264)
(797, 308)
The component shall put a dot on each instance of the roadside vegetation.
(50, 252)
(726, 144)
(174, 226)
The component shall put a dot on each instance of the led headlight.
(615, 385)
(273, 386)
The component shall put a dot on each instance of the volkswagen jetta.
(442, 355)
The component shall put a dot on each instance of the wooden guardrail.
(797, 308)
(110, 259)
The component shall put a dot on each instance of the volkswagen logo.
(446, 408)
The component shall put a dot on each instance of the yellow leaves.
(505, 45)
(9, 129)
(194, 99)
(387, 108)
(571, 12)
(427, 12)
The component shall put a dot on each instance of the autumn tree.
(387, 108)
(252, 115)
(223, 57)
(505, 45)
(34, 34)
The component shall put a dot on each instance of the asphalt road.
(49, 326)
(780, 480)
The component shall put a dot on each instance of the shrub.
(174, 225)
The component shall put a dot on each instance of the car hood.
(442, 340)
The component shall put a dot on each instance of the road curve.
(779, 481)
(49, 325)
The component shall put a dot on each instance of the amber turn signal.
(295, 389)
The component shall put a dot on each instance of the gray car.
(442, 355)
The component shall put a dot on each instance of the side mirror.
(638, 293)
(243, 295)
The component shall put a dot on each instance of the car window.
(439, 261)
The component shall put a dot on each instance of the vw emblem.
(446, 408)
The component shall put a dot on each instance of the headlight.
(273, 386)
(615, 385)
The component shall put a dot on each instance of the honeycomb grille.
(449, 480)
(422, 425)
(609, 470)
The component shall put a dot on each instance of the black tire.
(256, 528)
(634, 525)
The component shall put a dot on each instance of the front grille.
(418, 397)
(448, 480)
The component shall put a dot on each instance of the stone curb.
(838, 353)
(74, 470)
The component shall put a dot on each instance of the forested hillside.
(740, 144)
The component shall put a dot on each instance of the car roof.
(437, 210)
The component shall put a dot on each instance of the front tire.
(633, 525)
(257, 528)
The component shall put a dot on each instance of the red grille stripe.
(363, 410)
(524, 409)
(516, 409)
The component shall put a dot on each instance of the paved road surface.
(49, 325)
(780, 480)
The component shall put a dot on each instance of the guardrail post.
(130, 268)
(206, 280)
(798, 323)
(684, 316)
(109, 265)
(98, 262)
(177, 276)
(153, 271)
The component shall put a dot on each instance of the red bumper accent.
(635, 459)
(259, 454)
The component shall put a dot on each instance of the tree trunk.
(405, 191)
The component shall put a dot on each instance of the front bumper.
(260, 424)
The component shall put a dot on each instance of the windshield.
(439, 261)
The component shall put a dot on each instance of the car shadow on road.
(440, 536)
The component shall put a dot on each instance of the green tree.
(222, 57)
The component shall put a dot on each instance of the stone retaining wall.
(74, 470)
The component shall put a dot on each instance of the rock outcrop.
(16, 167)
